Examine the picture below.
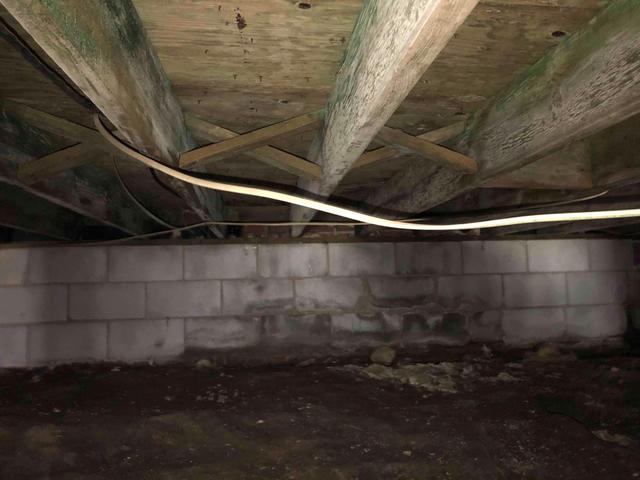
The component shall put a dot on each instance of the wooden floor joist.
(103, 48)
(588, 82)
(392, 45)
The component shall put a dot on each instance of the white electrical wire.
(352, 214)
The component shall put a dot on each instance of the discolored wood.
(391, 47)
(30, 213)
(587, 83)
(250, 141)
(66, 159)
(428, 150)
(567, 169)
(104, 50)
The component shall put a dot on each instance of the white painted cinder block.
(532, 325)
(33, 304)
(107, 301)
(327, 293)
(220, 261)
(610, 254)
(361, 259)
(593, 288)
(480, 290)
(13, 346)
(224, 332)
(494, 257)
(145, 263)
(596, 321)
(138, 340)
(429, 257)
(184, 299)
(535, 290)
(558, 255)
(69, 342)
(13, 265)
(67, 265)
(292, 260)
(250, 297)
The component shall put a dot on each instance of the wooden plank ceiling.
(244, 65)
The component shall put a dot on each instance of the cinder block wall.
(130, 303)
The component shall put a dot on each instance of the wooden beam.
(30, 213)
(90, 191)
(588, 82)
(54, 163)
(392, 45)
(567, 169)
(103, 48)
(248, 141)
(270, 155)
(428, 150)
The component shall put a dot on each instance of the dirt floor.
(468, 414)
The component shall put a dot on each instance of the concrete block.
(429, 257)
(33, 304)
(251, 297)
(592, 288)
(328, 293)
(532, 325)
(145, 263)
(535, 290)
(354, 323)
(481, 291)
(184, 299)
(633, 287)
(610, 254)
(443, 327)
(401, 291)
(107, 301)
(13, 346)
(361, 259)
(485, 326)
(138, 340)
(558, 255)
(596, 321)
(13, 265)
(494, 257)
(293, 260)
(67, 265)
(223, 332)
(297, 329)
(220, 261)
(69, 342)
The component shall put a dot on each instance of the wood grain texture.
(271, 156)
(251, 140)
(103, 48)
(567, 169)
(392, 45)
(68, 158)
(427, 150)
(587, 83)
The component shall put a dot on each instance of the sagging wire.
(200, 181)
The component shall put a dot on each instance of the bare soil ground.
(506, 418)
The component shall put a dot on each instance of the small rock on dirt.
(383, 355)
(621, 440)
